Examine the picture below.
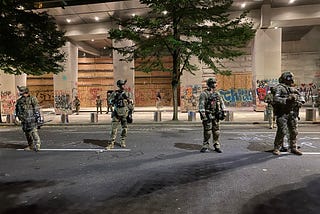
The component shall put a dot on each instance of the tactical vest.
(212, 101)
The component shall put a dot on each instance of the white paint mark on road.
(83, 150)
(308, 144)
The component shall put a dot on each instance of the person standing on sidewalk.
(99, 104)
(28, 112)
(269, 109)
(122, 102)
(287, 102)
(212, 110)
(76, 104)
(109, 106)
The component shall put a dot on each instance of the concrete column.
(21, 80)
(191, 87)
(121, 69)
(65, 83)
(266, 62)
(8, 93)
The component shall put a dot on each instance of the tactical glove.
(291, 98)
(203, 116)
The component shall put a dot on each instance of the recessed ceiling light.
(92, 40)
(68, 20)
(243, 5)
(133, 15)
(291, 1)
(96, 18)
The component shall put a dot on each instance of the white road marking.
(308, 144)
(83, 150)
(304, 153)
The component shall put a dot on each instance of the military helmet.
(287, 78)
(211, 81)
(23, 89)
(121, 82)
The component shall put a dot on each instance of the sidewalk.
(145, 115)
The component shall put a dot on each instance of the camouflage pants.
(32, 137)
(286, 124)
(114, 128)
(211, 127)
(271, 118)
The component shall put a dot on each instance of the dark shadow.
(102, 143)
(296, 198)
(11, 191)
(12, 146)
(188, 146)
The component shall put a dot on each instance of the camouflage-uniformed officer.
(76, 104)
(123, 106)
(212, 110)
(287, 102)
(99, 104)
(269, 110)
(28, 111)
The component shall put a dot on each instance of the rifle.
(297, 103)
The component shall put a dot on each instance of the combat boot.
(37, 147)
(276, 152)
(218, 150)
(30, 147)
(110, 146)
(296, 151)
(123, 144)
(216, 146)
(204, 149)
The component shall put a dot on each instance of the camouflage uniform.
(109, 106)
(123, 106)
(99, 104)
(211, 108)
(28, 111)
(287, 102)
(76, 104)
(269, 110)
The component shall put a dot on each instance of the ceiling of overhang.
(86, 11)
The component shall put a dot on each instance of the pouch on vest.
(122, 111)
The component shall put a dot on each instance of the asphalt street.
(163, 172)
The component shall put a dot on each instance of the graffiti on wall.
(263, 86)
(309, 91)
(237, 97)
(190, 97)
(62, 102)
(45, 97)
(8, 100)
(147, 96)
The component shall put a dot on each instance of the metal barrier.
(311, 114)
(157, 116)
(191, 116)
(10, 118)
(64, 118)
(94, 117)
(229, 116)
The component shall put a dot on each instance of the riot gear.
(121, 82)
(211, 82)
(287, 78)
(23, 90)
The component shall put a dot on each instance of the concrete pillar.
(9, 92)
(190, 88)
(121, 69)
(65, 83)
(266, 62)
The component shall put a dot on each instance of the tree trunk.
(175, 101)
